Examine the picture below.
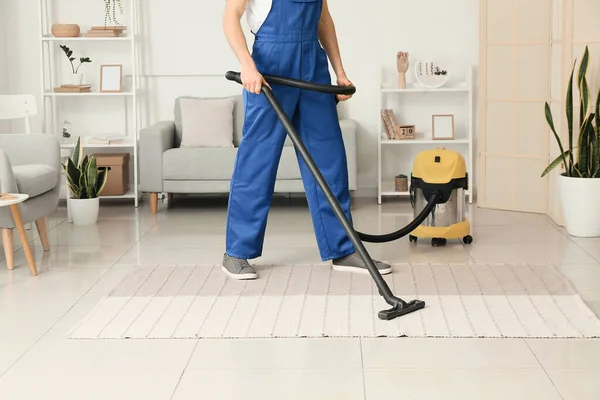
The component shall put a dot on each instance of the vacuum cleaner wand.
(399, 306)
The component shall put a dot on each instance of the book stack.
(106, 31)
(106, 140)
(73, 89)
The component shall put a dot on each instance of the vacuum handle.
(297, 83)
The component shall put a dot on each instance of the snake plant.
(587, 162)
(84, 179)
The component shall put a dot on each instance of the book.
(72, 89)
(387, 123)
(109, 28)
(103, 34)
(94, 140)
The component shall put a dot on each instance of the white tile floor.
(38, 362)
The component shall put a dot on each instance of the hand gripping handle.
(297, 83)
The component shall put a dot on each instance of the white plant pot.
(579, 199)
(84, 212)
(76, 79)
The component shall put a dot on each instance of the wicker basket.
(66, 30)
(401, 184)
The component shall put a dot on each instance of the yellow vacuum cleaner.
(445, 172)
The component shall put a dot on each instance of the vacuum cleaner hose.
(365, 237)
(399, 306)
(316, 87)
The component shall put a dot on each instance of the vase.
(579, 204)
(84, 212)
(76, 79)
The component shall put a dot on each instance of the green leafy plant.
(401, 176)
(587, 162)
(110, 11)
(84, 179)
(69, 53)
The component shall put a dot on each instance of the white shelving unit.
(52, 54)
(422, 139)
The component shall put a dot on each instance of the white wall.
(184, 37)
(4, 126)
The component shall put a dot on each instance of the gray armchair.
(29, 164)
(165, 167)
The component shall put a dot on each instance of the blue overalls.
(287, 45)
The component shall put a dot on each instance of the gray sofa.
(165, 167)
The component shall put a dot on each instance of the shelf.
(100, 145)
(418, 89)
(86, 39)
(128, 195)
(88, 94)
(424, 141)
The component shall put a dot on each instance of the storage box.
(117, 183)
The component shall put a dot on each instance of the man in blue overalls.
(288, 39)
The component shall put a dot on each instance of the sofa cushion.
(35, 179)
(238, 117)
(217, 164)
(201, 163)
(207, 122)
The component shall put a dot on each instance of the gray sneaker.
(353, 263)
(237, 268)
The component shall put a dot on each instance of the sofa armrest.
(27, 149)
(349, 131)
(8, 184)
(154, 141)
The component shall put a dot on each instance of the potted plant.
(110, 11)
(76, 77)
(579, 184)
(85, 181)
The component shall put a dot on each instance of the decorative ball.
(66, 30)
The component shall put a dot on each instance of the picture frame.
(111, 78)
(442, 127)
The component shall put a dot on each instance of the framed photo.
(442, 126)
(111, 78)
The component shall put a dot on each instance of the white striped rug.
(517, 301)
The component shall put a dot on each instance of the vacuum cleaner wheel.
(435, 242)
(412, 239)
(468, 239)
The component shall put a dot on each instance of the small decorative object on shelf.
(76, 77)
(394, 131)
(401, 183)
(65, 30)
(67, 136)
(442, 126)
(402, 65)
(110, 11)
(84, 181)
(430, 75)
(111, 77)
(404, 132)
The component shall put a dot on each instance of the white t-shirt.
(257, 12)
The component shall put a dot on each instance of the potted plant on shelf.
(85, 181)
(401, 183)
(76, 77)
(579, 184)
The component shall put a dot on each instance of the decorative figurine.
(402, 64)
